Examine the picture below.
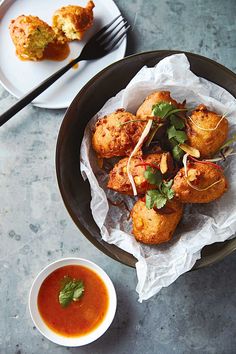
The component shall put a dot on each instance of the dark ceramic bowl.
(74, 190)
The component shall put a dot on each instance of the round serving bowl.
(83, 339)
(106, 84)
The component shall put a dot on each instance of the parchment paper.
(159, 266)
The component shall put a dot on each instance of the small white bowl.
(60, 339)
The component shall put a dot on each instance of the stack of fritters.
(195, 181)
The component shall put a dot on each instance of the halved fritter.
(117, 134)
(206, 131)
(203, 184)
(70, 22)
(30, 36)
(155, 226)
(118, 177)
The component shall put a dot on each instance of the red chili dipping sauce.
(80, 316)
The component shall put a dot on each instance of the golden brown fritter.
(71, 22)
(156, 97)
(208, 142)
(30, 36)
(118, 177)
(114, 138)
(200, 176)
(153, 226)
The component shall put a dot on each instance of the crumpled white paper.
(159, 266)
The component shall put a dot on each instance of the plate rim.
(200, 263)
(47, 105)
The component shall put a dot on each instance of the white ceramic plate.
(18, 77)
(83, 339)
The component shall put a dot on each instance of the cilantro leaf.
(154, 198)
(153, 176)
(151, 196)
(72, 290)
(171, 132)
(161, 109)
(177, 122)
(180, 136)
(165, 109)
(160, 201)
(159, 197)
(166, 189)
(177, 153)
(173, 142)
(168, 184)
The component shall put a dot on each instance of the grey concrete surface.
(196, 314)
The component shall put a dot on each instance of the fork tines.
(110, 45)
(112, 33)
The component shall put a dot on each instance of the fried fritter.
(118, 177)
(71, 22)
(155, 226)
(204, 131)
(117, 134)
(30, 36)
(159, 96)
(200, 176)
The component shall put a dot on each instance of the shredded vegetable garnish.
(208, 129)
(206, 163)
(145, 164)
(221, 158)
(153, 133)
(203, 189)
(227, 153)
(228, 142)
(190, 150)
(133, 121)
(185, 158)
(138, 145)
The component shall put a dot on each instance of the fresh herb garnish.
(158, 197)
(179, 135)
(165, 109)
(177, 122)
(162, 109)
(153, 176)
(155, 199)
(177, 153)
(71, 290)
(167, 112)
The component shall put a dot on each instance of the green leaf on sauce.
(71, 290)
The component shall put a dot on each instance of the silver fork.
(102, 43)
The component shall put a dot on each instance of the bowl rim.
(230, 245)
(48, 332)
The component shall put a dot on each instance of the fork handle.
(35, 92)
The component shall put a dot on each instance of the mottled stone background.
(197, 314)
